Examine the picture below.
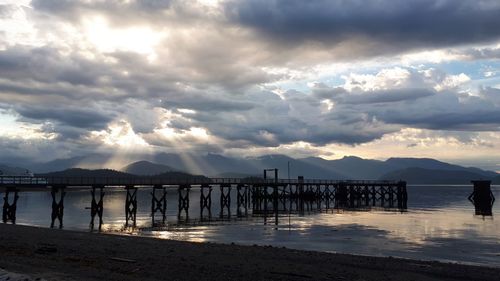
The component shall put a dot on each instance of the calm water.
(439, 225)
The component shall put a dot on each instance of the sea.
(440, 223)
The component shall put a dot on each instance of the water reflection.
(438, 224)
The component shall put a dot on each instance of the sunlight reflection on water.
(439, 225)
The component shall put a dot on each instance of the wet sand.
(67, 255)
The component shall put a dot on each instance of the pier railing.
(26, 181)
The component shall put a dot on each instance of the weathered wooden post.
(402, 196)
(57, 205)
(183, 191)
(225, 200)
(341, 195)
(97, 206)
(300, 185)
(241, 200)
(159, 204)
(131, 206)
(205, 200)
(482, 198)
(9, 209)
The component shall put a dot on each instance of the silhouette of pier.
(268, 198)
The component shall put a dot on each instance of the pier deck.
(255, 197)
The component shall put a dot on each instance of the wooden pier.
(254, 197)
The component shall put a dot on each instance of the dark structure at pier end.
(482, 198)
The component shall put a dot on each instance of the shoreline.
(53, 254)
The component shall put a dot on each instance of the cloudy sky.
(380, 78)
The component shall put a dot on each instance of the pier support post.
(300, 195)
(57, 205)
(319, 196)
(242, 200)
(159, 204)
(382, 193)
(225, 200)
(97, 207)
(293, 197)
(366, 195)
(374, 195)
(275, 203)
(329, 197)
(341, 195)
(131, 206)
(206, 200)
(183, 191)
(391, 196)
(404, 195)
(9, 209)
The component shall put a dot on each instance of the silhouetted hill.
(428, 176)
(432, 164)
(236, 175)
(214, 165)
(298, 167)
(91, 160)
(354, 167)
(107, 173)
(146, 168)
(78, 172)
(210, 164)
(179, 175)
(13, 171)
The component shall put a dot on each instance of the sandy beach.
(51, 254)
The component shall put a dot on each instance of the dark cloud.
(47, 64)
(443, 111)
(383, 96)
(206, 102)
(75, 117)
(385, 26)
(125, 11)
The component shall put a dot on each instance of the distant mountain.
(179, 175)
(78, 172)
(427, 163)
(298, 167)
(209, 164)
(92, 160)
(108, 173)
(354, 167)
(358, 168)
(146, 168)
(214, 165)
(13, 171)
(236, 175)
(430, 176)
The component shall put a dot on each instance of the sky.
(375, 79)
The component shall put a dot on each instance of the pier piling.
(97, 205)
(57, 205)
(158, 204)
(10, 208)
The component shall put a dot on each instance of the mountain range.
(413, 170)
